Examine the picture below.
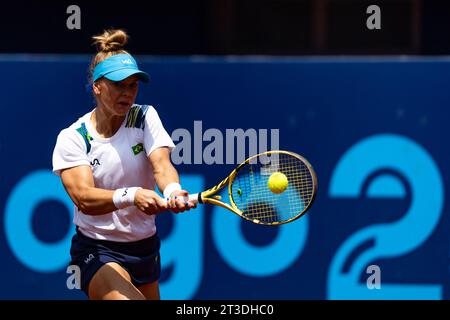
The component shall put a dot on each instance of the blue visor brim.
(122, 74)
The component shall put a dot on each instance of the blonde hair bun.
(111, 40)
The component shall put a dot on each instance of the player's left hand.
(178, 202)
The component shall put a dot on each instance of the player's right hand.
(149, 202)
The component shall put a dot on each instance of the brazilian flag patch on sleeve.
(137, 148)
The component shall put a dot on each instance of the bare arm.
(79, 184)
(165, 173)
(163, 170)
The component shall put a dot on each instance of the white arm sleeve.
(69, 152)
(155, 135)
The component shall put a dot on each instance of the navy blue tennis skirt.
(140, 258)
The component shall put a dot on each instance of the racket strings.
(251, 194)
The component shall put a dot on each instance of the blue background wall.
(374, 129)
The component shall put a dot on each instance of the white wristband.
(124, 197)
(171, 187)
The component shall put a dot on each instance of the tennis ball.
(277, 182)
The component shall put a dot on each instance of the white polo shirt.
(116, 162)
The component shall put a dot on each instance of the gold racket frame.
(208, 195)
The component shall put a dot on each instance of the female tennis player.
(109, 162)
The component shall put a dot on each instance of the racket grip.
(192, 197)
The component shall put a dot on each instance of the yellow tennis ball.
(277, 182)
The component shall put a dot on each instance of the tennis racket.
(253, 198)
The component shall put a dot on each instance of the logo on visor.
(127, 61)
